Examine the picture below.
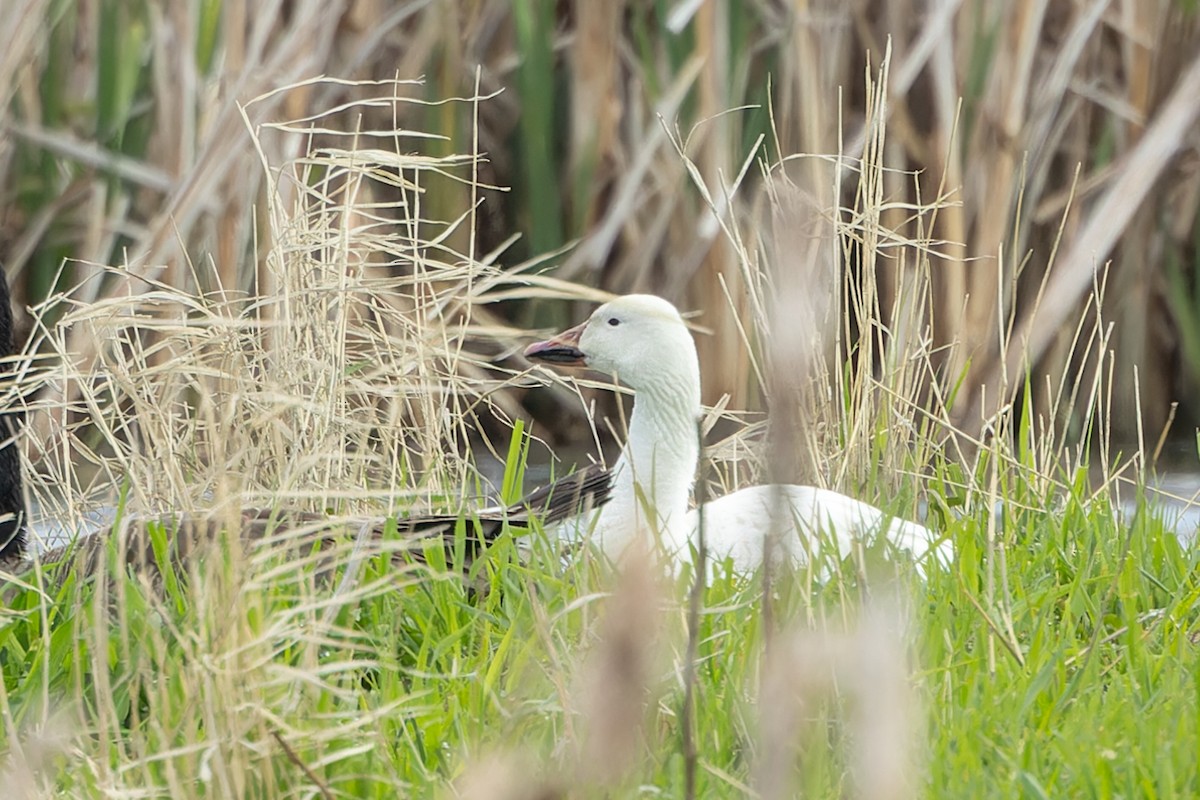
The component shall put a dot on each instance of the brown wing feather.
(304, 531)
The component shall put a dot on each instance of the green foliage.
(538, 135)
(1075, 677)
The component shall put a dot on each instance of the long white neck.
(654, 475)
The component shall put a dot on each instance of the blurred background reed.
(1045, 131)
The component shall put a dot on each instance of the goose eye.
(614, 321)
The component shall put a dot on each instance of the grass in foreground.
(1079, 677)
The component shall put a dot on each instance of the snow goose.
(643, 341)
(568, 496)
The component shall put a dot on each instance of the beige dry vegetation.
(335, 385)
(288, 289)
(1038, 128)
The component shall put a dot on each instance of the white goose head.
(639, 338)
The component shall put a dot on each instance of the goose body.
(805, 519)
(643, 341)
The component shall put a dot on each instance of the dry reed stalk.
(865, 670)
(596, 109)
(612, 684)
(504, 777)
(616, 681)
(21, 21)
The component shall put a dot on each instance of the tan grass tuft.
(353, 378)
(618, 674)
(863, 671)
(504, 777)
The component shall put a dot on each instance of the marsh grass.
(1055, 658)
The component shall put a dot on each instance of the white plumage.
(643, 341)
